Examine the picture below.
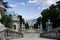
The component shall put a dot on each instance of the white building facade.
(16, 23)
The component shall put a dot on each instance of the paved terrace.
(32, 36)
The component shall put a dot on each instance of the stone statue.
(48, 25)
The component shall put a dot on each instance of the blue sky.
(29, 9)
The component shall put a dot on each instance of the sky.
(29, 9)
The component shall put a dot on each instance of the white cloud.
(21, 3)
(42, 3)
(32, 1)
(12, 5)
(49, 2)
(45, 3)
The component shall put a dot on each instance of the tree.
(50, 13)
(20, 18)
(39, 19)
(6, 20)
(23, 21)
(26, 26)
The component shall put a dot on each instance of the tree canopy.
(6, 20)
(51, 13)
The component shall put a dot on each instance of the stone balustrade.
(55, 33)
(10, 34)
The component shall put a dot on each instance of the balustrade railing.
(51, 34)
(10, 34)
